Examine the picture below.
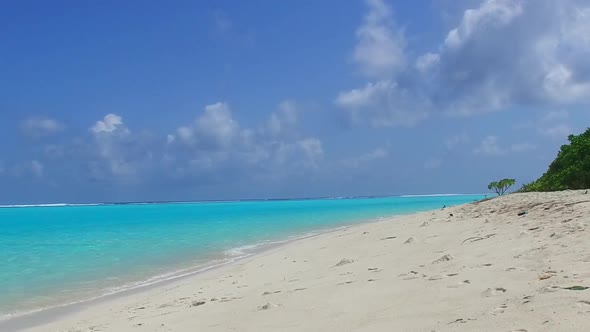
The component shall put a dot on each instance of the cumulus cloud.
(115, 152)
(427, 61)
(283, 120)
(214, 128)
(312, 148)
(383, 104)
(38, 127)
(500, 54)
(296, 156)
(110, 123)
(489, 15)
(216, 140)
(481, 69)
(380, 47)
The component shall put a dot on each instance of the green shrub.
(570, 170)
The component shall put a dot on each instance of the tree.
(500, 187)
(569, 170)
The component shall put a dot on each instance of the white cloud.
(184, 133)
(213, 129)
(215, 140)
(119, 155)
(110, 123)
(500, 54)
(541, 63)
(300, 155)
(383, 104)
(427, 61)
(489, 15)
(37, 127)
(380, 46)
(216, 126)
(283, 120)
(312, 148)
(561, 85)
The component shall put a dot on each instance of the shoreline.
(478, 266)
(38, 317)
(18, 319)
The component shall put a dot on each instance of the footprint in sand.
(445, 258)
(460, 284)
(493, 291)
(269, 293)
(266, 306)
(410, 240)
(344, 261)
(499, 310)
(197, 303)
(549, 289)
(345, 283)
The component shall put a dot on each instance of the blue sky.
(136, 101)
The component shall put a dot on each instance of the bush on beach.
(570, 170)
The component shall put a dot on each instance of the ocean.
(61, 254)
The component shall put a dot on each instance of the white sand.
(483, 269)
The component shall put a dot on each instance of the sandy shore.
(476, 267)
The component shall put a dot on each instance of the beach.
(520, 262)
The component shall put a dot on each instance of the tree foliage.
(500, 187)
(571, 168)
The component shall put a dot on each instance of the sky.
(108, 101)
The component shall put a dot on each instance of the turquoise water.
(57, 255)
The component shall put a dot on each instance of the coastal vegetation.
(569, 170)
(500, 187)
